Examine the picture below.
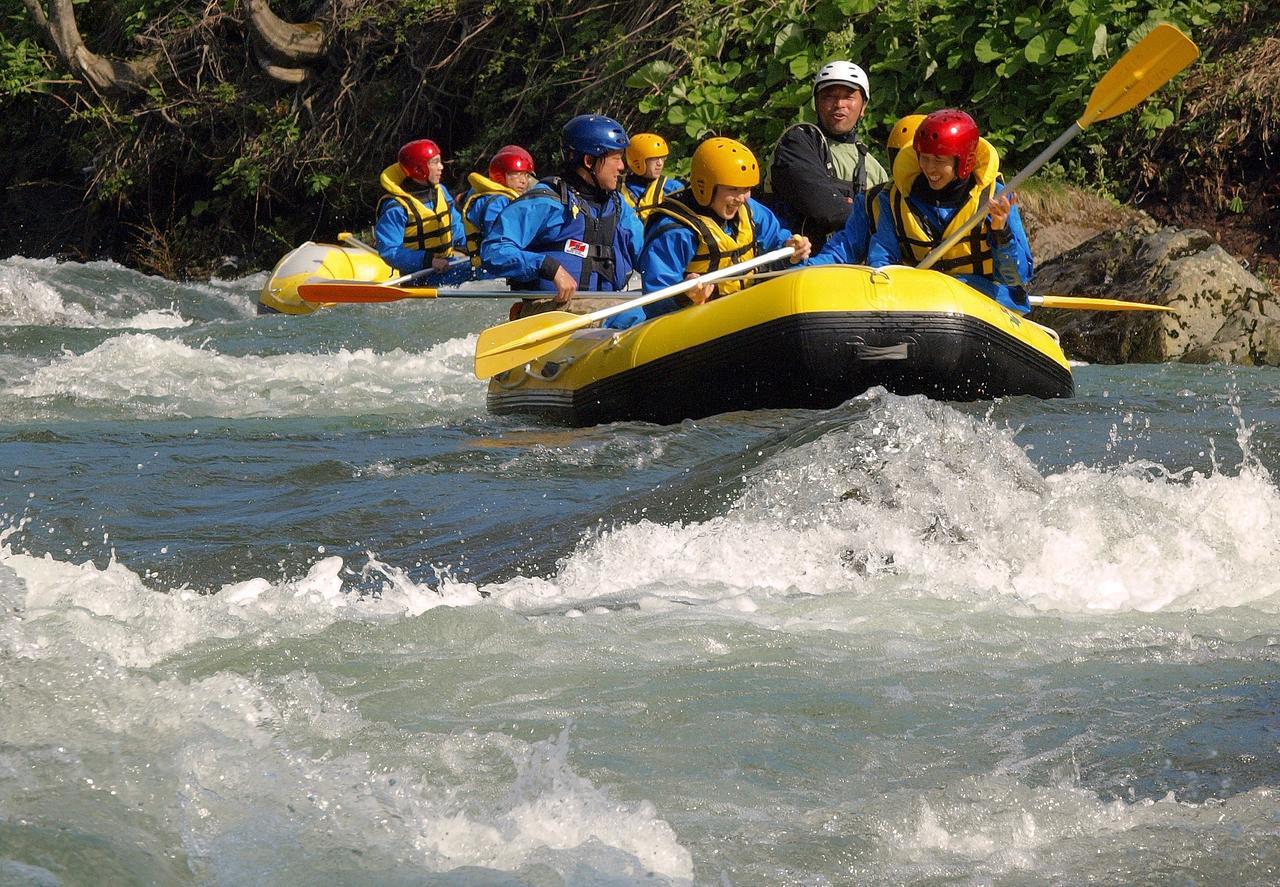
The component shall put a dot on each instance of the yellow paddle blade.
(359, 291)
(1150, 64)
(1088, 303)
(508, 345)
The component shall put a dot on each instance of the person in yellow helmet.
(849, 245)
(711, 224)
(646, 185)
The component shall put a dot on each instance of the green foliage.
(213, 142)
(24, 67)
(1023, 69)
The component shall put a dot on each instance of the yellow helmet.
(904, 132)
(721, 161)
(644, 145)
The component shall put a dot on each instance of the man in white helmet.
(816, 172)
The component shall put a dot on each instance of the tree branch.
(103, 74)
(294, 45)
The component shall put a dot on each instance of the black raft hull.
(811, 339)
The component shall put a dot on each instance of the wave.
(146, 377)
(105, 295)
(917, 500)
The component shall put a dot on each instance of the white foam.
(72, 608)
(252, 775)
(922, 500)
(26, 299)
(154, 377)
(44, 292)
(994, 826)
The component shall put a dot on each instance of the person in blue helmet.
(418, 225)
(938, 183)
(573, 231)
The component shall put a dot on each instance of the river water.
(283, 605)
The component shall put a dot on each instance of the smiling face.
(609, 170)
(840, 108)
(726, 201)
(653, 167)
(938, 169)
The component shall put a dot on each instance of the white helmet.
(845, 73)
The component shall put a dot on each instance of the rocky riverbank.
(1087, 246)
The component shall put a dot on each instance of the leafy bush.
(214, 142)
(1024, 69)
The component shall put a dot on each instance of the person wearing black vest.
(573, 231)
(817, 171)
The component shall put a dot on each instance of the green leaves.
(1021, 67)
(855, 7)
(1037, 49)
(23, 67)
(1099, 41)
(652, 75)
(984, 52)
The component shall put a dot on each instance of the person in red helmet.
(417, 226)
(511, 172)
(938, 183)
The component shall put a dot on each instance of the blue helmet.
(592, 135)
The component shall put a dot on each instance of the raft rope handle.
(501, 379)
(528, 373)
(1053, 334)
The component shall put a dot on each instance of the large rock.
(1225, 314)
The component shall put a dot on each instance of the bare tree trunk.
(103, 74)
(284, 49)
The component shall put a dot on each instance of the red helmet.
(509, 159)
(949, 133)
(414, 158)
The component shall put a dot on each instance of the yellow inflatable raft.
(808, 339)
(313, 262)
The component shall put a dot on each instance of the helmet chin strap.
(591, 165)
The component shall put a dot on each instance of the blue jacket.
(544, 229)
(485, 208)
(670, 247)
(849, 245)
(389, 230)
(636, 187)
(1012, 260)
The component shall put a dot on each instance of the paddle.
(362, 291)
(508, 345)
(1089, 303)
(1084, 303)
(1150, 64)
(348, 237)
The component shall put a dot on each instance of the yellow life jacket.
(480, 186)
(651, 197)
(428, 228)
(716, 248)
(972, 254)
